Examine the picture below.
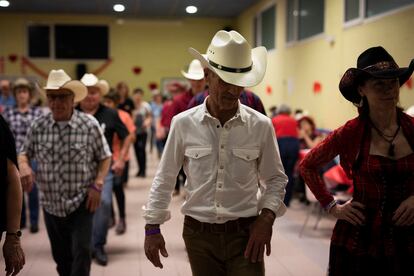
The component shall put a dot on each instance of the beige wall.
(158, 47)
(292, 69)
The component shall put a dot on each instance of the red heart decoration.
(317, 87)
(13, 57)
(137, 70)
(153, 85)
(269, 90)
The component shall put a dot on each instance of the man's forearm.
(103, 169)
(14, 198)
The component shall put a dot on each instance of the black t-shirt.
(128, 105)
(111, 123)
(7, 151)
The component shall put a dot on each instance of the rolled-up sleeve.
(271, 174)
(156, 211)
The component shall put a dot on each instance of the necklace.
(388, 138)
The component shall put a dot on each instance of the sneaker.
(100, 256)
(121, 227)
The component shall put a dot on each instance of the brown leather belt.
(231, 226)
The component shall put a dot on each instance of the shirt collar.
(241, 113)
(72, 122)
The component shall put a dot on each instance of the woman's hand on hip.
(404, 215)
(349, 211)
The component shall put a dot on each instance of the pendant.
(391, 150)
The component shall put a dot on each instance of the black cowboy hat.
(374, 62)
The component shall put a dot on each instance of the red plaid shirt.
(380, 183)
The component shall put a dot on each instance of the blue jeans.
(33, 199)
(103, 213)
(70, 238)
(289, 152)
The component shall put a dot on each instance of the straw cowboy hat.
(90, 80)
(195, 71)
(58, 79)
(22, 83)
(233, 60)
(374, 62)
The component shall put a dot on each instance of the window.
(38, 41)
(360, 9)
(305, 18)
(264, 25)
(68, 41)
(81, 42)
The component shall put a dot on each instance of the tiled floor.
(291, 255)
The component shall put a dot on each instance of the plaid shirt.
(68, 159)
(20, 122)
(246, 97)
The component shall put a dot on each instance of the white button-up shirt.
(223, 165)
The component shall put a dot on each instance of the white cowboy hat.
(92, 80)
(233, 60)
(58, 79)
(195, 71)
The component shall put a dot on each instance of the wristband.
(153, 231)
(331, 205)
(95, 187)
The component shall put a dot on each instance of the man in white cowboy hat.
(19, 119)
(225, 148)
(73, 158)
(111, 124)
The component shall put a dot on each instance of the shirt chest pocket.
(45, 152)
(199, 159)
(244, 163)
(77, 153)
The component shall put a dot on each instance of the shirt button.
(247, 157)
(218, 126)
(221, 167)
(196, 155)
(217, 204)
(222, 146)
(220, 186)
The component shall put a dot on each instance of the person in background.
(10, 201)
(142, 117)
(285, 127)
(6, 95)
(73, 158)
(157, 131)
(111, 100)
(273, 111)
(19, 119)
(111, 124)
(374, 233)
(309, 137)
(125, 102)
(225, 148)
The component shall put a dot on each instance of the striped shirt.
(68, 157)
(19, 122)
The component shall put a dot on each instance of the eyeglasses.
(61, 97)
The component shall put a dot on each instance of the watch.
(17, 234)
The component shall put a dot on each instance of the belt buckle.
(218, 228)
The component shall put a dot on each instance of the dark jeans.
(70, 239)
(33, 199)
(118, 189)
(219, 253)
(140, 153)
(289, 151)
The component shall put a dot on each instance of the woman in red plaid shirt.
(374, 234)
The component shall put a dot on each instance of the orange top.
(116, 143)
